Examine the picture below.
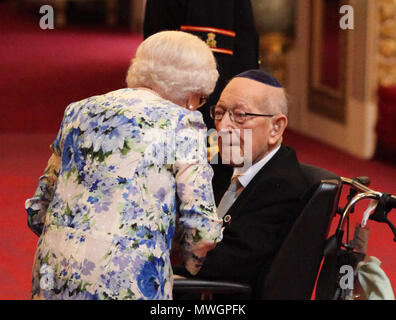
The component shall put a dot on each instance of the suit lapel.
(279, 180)
(221, 180)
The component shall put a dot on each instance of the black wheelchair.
(307, 266)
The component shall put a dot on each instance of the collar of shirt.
(247, 175)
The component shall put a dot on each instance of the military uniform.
(227, 26)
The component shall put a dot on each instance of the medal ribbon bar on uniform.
(219, 40)
(208, 29)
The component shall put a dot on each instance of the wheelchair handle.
(365, 195)
(360, 184)
(388, 202)
(363, 180)
(353, 191)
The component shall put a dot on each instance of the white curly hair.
(174, 64)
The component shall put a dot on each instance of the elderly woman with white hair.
(105, 208)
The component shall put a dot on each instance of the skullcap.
(260, 76)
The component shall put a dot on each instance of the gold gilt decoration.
(211, 42)
(387, 43)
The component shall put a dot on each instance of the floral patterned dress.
(106, 206)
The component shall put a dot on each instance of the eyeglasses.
(202, 101)
(236, 115)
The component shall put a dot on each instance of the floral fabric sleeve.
(37, 206)
(199, 225)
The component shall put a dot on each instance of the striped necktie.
(229, 196)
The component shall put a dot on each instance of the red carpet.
(22, 161)
(43, 71)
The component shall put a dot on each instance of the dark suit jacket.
(260, 219)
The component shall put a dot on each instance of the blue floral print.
(105, 207)
(151, 280)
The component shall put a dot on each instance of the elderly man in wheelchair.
(277, 211)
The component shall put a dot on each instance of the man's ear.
(279, 124)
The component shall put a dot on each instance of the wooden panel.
(328, 52)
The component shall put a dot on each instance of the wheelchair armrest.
(212, 287)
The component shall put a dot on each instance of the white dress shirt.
(246, 175)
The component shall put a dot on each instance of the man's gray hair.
(277, 101)
(283, 103)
